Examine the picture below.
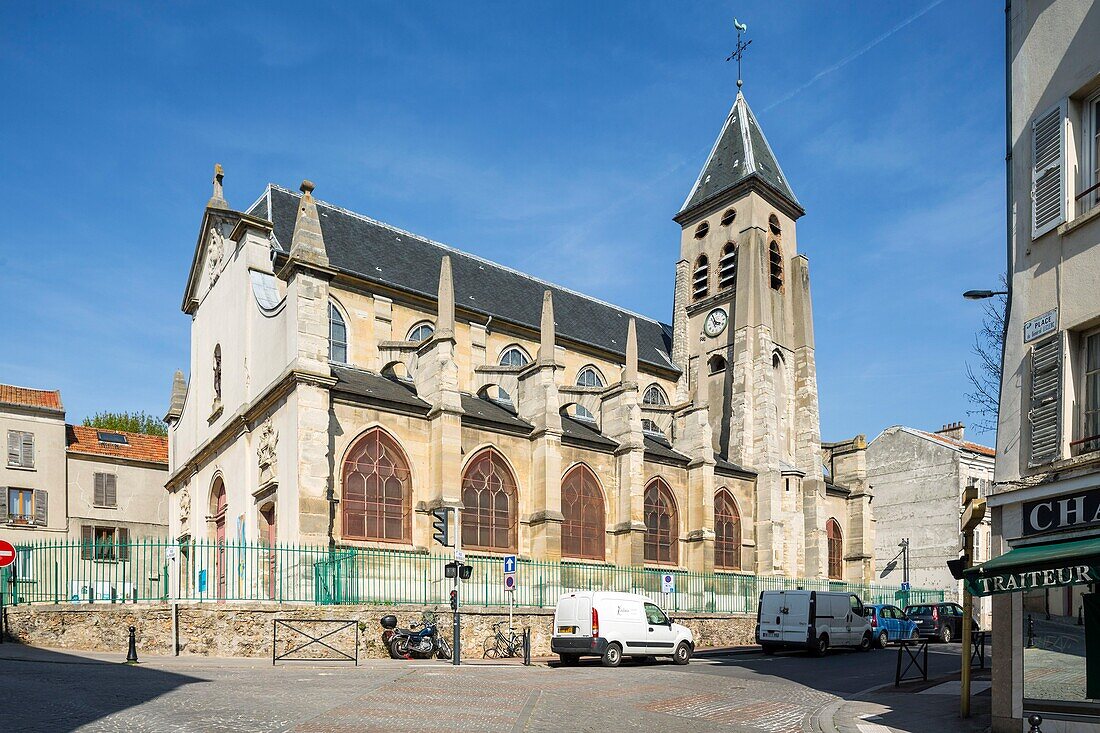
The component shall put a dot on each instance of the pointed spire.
(630, 370)
(445, 320)
(740, 152)
(307, 244)
(217, 200)
(179, 397)
(546, 330)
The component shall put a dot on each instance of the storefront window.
(1055, 668)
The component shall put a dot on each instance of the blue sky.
(558, 138)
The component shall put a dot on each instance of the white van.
(611, 625)
(811, 619)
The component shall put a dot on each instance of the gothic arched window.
(589, 377)
(582, 532)
(514, 356)
(773, 224)
(727, 267)
(337, 335)
(727, 532)
(489, 497)
(775, 265)
(421, 332)
(662, 527)
(836, 549)
(376, 501)
(654, 395)
(700, 279)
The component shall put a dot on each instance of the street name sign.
(1041, 325)
(7, 553)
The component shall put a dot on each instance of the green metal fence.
(157, 570)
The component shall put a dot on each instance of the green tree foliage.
(130, 422)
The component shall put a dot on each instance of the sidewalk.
(911, 708)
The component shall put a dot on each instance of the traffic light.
(442, 525)
(454, 600)
(465, 571)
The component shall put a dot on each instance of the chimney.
(952, 430)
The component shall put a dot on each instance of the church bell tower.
(743, 323)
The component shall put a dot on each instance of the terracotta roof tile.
(27, 397)
(152, 448)
(964, 444)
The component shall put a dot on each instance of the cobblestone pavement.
(63, 691)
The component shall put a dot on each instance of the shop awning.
(1037, 566)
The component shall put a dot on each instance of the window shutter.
(28, 450)
(123, 538)
(110, 495)
(87, 537)
(99, 494)
(1046, 401)
(40, 514)
(3, 503)
(14, 441)
(1048, 174)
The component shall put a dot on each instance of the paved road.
(55, 691)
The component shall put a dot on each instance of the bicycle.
(499, 646)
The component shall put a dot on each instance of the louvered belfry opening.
(489, 498)
(775, 265)
(582, 505)
(700, 281)
(376, 498)
(727, 267)
(661, 523)
(836, 549)
(1044, 414)
(727, 532)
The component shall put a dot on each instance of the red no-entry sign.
(7, 553)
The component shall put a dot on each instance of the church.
(347, 377)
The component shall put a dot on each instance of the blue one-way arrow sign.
(509, 563)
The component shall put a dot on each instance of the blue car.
(889, 623)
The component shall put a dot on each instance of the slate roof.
(659, 449)
(138, 447)
(580, 432)
(741, 151)
(49, 399)
(721, 465)
(380, 253)
(378, 389)
(492, 414)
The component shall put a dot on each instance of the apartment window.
(337, 336)
(20, 509)
(1090, 406)
(20, 449)
(104, 543)
(1090, 158)
(104, 492)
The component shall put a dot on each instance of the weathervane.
(740, 50)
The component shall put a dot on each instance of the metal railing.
(158, 570)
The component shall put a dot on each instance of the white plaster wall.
(48, 473)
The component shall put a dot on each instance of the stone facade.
(245, 630)
(297, 337)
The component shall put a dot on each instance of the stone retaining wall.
(245, 630)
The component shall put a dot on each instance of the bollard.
(131, 654)
(527, 646)
(1035, 720)
(1030, 632)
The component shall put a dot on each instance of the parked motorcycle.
(420, 641)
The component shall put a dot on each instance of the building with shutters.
(347, 377)
(69, 482)
(1046, 500)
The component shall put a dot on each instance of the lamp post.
(983, 294)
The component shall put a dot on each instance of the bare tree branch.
(985, 374)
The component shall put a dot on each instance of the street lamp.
(983, 294)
